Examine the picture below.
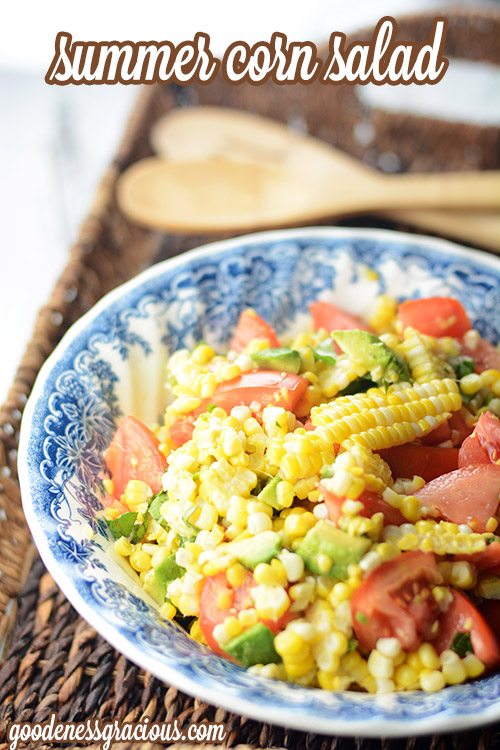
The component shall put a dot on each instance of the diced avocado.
(367, 349)
(325, 352)
(256, 549)
(281, 359)
(488, 587)
(268, 493)
(254, 646)
(155, 505)
(157, 579)
(324, 542)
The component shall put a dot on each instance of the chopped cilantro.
(211, 407)
(361, 617)
(123, 525)
(461, 644)
(463, 366)
(353, 644)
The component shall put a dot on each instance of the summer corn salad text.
(323, 508)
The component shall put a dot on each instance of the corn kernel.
(428, 656)
(168, 611)
(248, 617)
(473, 666)
(406, 677)
(233, 626)
(225, 599)
(140, 561)
(432, 681)
(202, 354)
(389, 647)
(235, 574)
(123, 547)
(288, 643)
(380, 666)
(454, 674)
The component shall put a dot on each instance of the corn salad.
(322, 508)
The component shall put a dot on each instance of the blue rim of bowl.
(375, 727)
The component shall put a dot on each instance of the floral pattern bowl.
(112, 362)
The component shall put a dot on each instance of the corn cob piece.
(398, 393)
(424, 364)
(381, 419)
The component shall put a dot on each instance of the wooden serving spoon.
(299, 182)
(195, 133)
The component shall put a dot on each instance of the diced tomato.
(486, 356)
(372, 503)
(469, 495)
(211, 614)
(182, 430)
(424, 461)
(332, 318)
(488, 560)
(134, 454)
(395, 600)
(462, 617)
(435, 316)
(262, 387)
(252, 326)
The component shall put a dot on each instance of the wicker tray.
(53, 660)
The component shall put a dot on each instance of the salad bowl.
(112, 362)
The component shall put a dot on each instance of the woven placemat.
(53, 661)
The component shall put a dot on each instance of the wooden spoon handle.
(478, 228)
(473, 190)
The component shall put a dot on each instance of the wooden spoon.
(195, 133)
(301, 183)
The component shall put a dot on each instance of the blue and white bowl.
(112, 362)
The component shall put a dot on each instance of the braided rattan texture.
(53, 661)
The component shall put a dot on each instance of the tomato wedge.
(332, 318)
(262, 387)
(469, 495)
(395, 600)
(257, 388)
(483, 446)
(435, 316)
(134, 454)
(486, 356)
(211, 615)
(471, 453)
(372, 502)
(488, 560)
(487, 431)
(252, 326)
(425, 461)
(462, 617)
